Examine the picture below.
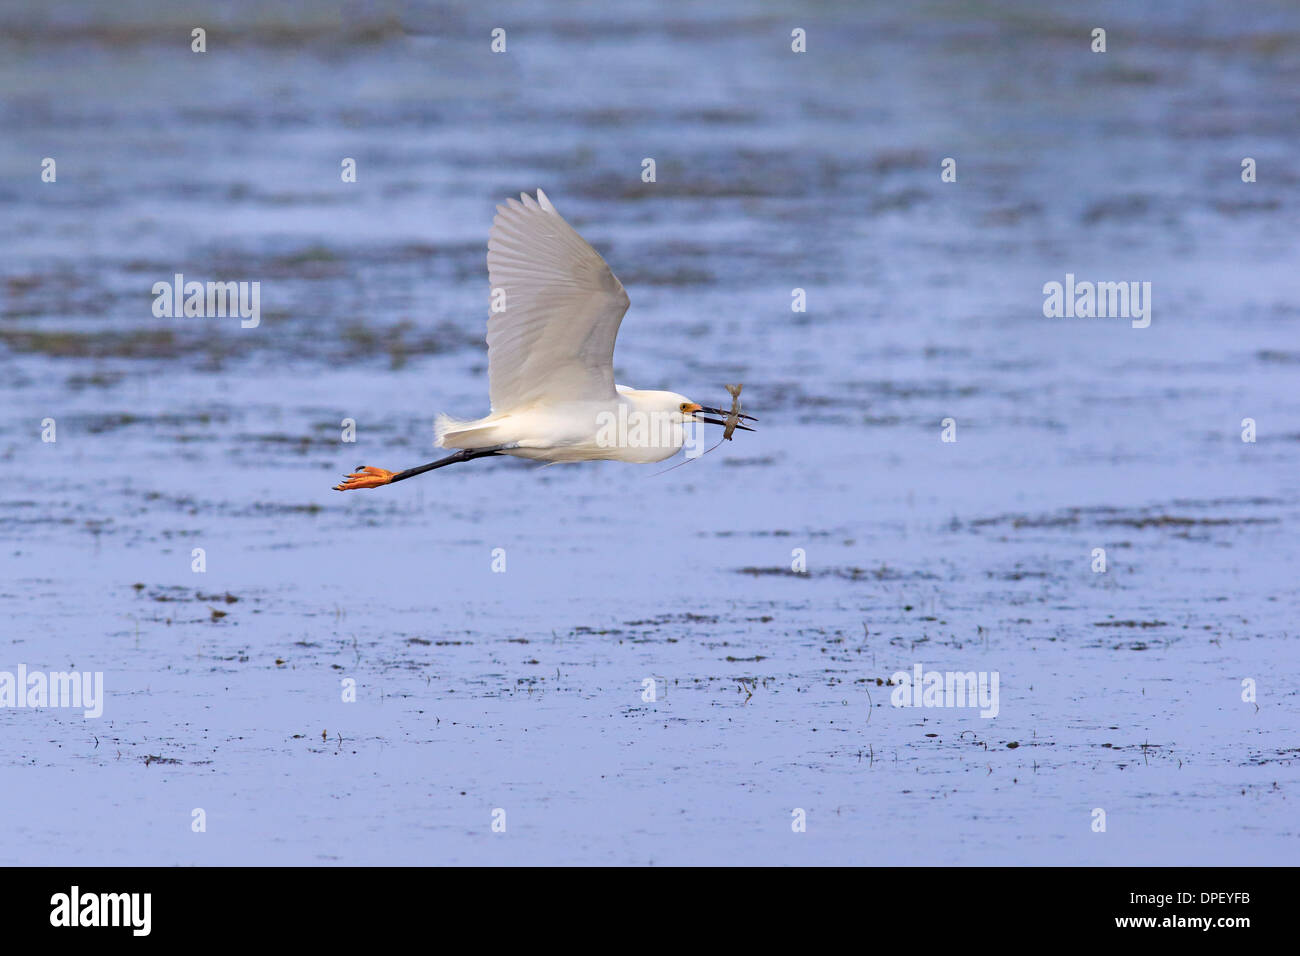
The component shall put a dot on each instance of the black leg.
(465, 454)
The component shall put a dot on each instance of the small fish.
(733, 417)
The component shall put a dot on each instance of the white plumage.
(551, 358)
(551, 351)
(563, 307)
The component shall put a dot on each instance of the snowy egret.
(556, 311)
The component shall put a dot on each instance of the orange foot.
(365, 477)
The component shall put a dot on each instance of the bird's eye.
(682, 407)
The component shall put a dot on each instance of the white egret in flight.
(551, 360)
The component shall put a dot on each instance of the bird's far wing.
(563, 306)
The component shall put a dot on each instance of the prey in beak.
(718, 411)
(694, 410)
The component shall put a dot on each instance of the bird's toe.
(366, 476)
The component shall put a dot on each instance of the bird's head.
(682, 410)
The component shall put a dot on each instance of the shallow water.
(522, 690)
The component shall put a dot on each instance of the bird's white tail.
(451, 432)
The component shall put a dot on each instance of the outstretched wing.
(563, 306)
